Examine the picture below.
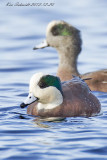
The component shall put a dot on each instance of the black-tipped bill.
(29, 100)
(41, 45)
(23, 105)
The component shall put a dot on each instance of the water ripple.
(27, 137)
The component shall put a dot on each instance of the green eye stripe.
(63, 30)
(50, 80)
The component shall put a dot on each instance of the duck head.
(45, 89)
(61, 36)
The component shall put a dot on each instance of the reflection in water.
(26, 137)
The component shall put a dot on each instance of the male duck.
(67, 40)
(48, 97)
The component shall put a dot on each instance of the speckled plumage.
(78, 100)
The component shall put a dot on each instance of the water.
(21, 28)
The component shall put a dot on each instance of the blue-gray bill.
(41, 45)
(29, 100)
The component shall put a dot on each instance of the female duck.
(67, 41)
(49, 98)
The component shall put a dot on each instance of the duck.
(66, 39)
(50, 98)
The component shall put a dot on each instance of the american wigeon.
(67, 41)
(48, 97)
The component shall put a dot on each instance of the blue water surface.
(21, 28)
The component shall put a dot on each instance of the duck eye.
(42, 85)
(55, 31)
